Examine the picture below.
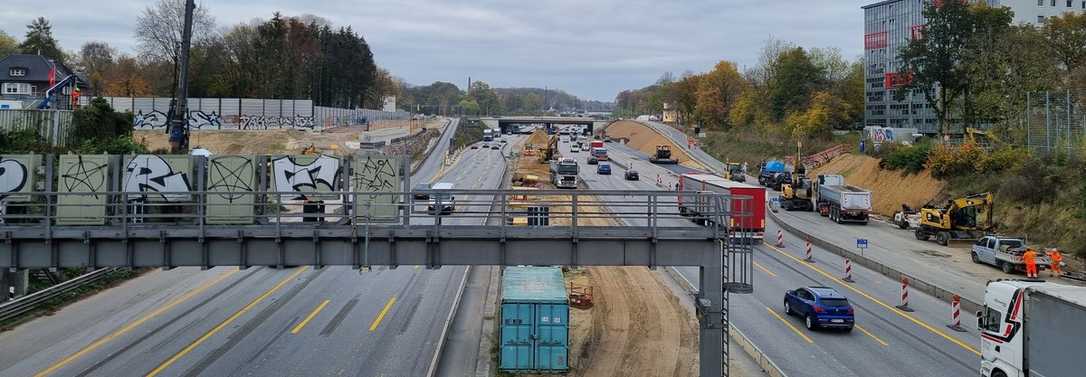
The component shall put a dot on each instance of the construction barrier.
(810, 257)
(848, 271)
(904, 295)
(780, 238)
(956, 314)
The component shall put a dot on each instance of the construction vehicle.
(841, 202)
(564, 173)
(797, 193)
(963, 219)
(769, 171)
(907, 217)
(734, 171)
(1005, 253)
(662, 156)
(1030, 328)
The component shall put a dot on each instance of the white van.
(441, 203)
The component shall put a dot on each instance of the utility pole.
(179, 132)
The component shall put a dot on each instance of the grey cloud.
(591, 49)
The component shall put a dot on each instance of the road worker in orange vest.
(1030, 259)
(1054, 257)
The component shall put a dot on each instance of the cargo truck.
(599, 153)
(488, 134)
(1030, 328)
(748, 216)
(841, 202)
(564, 173)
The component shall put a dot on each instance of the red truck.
(748, 216)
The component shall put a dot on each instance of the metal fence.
(52, 126)
(1053, 122)
(246, 113)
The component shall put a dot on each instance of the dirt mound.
(645, 139)
(889, 189)
(636, 328)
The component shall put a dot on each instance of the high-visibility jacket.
(1055, 256)
(1029, 257)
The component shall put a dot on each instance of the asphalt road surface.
(255, 322)
(888, 341)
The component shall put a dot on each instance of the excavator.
(796, 193)
(734, 171)
(962, 219)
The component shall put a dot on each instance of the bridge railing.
(528, 208)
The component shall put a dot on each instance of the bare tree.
(95, 59)
(158, 30)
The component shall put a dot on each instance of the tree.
(125, 78)
(488, 101)
(8, 45)
(39, 40)
(933, 63)
(818, 119)
(95, 59)
(469, 106)
(717, 92)
(1066, 36)
(159, 28)
(794, 78)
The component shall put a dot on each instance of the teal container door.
(516, 337)
(552, 340)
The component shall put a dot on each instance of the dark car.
(631, 175)
(495, 147)
(604, 169)
(592, 160)
(422, 191)
(820, 307)
(474, 146)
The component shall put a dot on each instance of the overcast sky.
(592, 49)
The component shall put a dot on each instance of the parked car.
(604, 169)
(475, 146)
(422, 191)
(592, 160)
(631, 175)
(820, 307)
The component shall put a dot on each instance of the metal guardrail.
(28, 303)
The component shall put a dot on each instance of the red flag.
(52, 75)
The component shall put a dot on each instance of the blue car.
(820, 307)
(603, 169)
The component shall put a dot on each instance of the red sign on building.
(875, 40)
(893, 80)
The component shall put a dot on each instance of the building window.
(1040, 19)
(1053, 2)
(17, 72)
(1069, 4)
(1040, 3)
(16, 88)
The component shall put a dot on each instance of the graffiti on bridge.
(306, 174)
(229, 178)
(165, 175)
(13, 177)
(82, 174)
(201, 120)
(152, 119)
(265, 122)
(374, 175)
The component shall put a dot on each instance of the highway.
(888, 342)
(258, 321)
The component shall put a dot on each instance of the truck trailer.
(841, 202)
(748, 216)
(1030, 328)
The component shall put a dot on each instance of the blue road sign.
(861, 243)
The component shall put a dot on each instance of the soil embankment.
(889, 189)
(644, 139)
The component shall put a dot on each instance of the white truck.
(564, 173)
(1030, 328)
(441, 201)
(1005, 253)
(841, 202)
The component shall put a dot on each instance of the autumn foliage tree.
(717, 92)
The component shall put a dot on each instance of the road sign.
(861, 243)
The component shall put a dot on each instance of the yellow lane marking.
(786, 323)
(892, 309)
(884, 344)
(132, 325)
(185, 351)
(766, 270)
(309, 317)
(381, 315)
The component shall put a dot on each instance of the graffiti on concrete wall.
(267, 122)
(200, 120)
(306, 174)
(152, 174)
(151, 119)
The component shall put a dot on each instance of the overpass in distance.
(505, 124)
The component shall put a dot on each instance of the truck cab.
(1031, 328)
(441, 201)
(1004, 253)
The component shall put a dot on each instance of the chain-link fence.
(1053, 122)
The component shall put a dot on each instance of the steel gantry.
(433, 228)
